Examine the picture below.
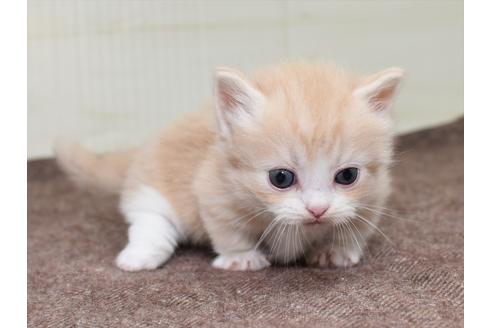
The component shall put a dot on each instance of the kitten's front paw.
(244, 261)
(338, 258)
(135, 259)
(345, 258)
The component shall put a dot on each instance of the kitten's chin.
(305, 222)
(309, 222)
(313, 222)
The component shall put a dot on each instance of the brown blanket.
(74, 237)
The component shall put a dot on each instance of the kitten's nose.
(317, 211)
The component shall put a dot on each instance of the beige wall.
(109, 73)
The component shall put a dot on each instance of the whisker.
(390, 216)
(278, 236)
(267, 231)
(362, 238)
(379, 207)
(345, 237)
(339, 236)
(294, 242)
(300, 243)
(256, 215)
(343, 228)
(278, 232)
(384, 211)
(287, 243)
(306, 239)
(299, 240)
(375, 227)
(354, 237)
(365, 246)
(332, 239)
(290, 243)
(237, 222)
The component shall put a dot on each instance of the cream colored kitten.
(291, 163)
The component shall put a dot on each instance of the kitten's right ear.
(236, 100)
(379, 90)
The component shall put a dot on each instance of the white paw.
(320, 259)
(136, 259)
(345, 258)
(244, 261)
(338, 258)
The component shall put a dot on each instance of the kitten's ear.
(237, 100)
(380, 89)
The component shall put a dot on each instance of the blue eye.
(281, 178)
(347, 176)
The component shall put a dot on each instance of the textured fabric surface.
(417, 280)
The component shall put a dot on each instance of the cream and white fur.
(205, 178)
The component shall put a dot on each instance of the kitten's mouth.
(313, 222)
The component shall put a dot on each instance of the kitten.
(291, 163)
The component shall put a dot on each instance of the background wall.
(110, 73)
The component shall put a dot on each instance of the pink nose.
(317, 211)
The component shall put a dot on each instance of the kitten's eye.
(281, 178)
(347, 176)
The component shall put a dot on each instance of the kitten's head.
(310, 143)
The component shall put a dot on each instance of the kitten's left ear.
(379, 90)
(237, 100)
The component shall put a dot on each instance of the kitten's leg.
(344, 249)
(235, 248)
(153, 233)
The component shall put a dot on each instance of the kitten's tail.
(104, 172)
